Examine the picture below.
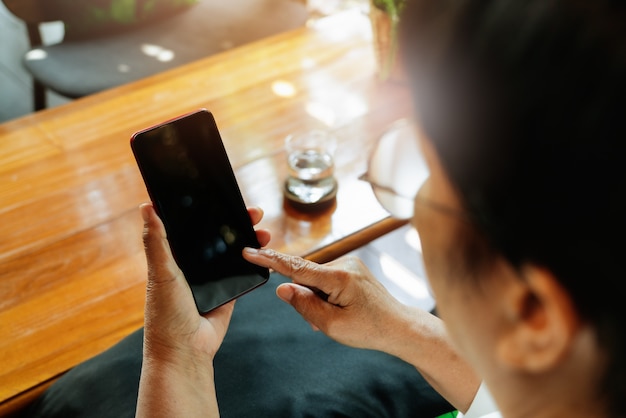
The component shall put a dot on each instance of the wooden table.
(72, 268)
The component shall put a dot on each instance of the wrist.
(174, 386)
(182, 350)
(178, 362)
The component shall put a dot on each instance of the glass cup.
(310, 162)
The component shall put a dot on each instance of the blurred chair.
(108, 43)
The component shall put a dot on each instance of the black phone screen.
(193, 188)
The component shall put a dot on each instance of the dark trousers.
(271, 364)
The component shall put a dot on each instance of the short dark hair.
(525, 103)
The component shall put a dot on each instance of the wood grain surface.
(72, 268)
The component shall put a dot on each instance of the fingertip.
(256, 214)
(157, 250)
(263, 236)
(260, 256)
(250, 251)
(153, 225)
(146, 211)
(300, 299)
(285, 292)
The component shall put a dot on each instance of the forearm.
(421, 339)
(167, 390)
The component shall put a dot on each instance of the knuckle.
(353, 263)
(145, 235)
(297, 265)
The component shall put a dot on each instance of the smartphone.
(195, 193)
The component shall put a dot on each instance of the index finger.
(301, 271)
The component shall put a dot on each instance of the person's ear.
(540, 322)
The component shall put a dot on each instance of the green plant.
(393, 9)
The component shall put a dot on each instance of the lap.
(271, 364)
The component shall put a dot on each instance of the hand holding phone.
(194, 191)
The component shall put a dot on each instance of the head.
(522, 106)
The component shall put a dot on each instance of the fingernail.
(285, 293)
(250, 250)
(144, 209)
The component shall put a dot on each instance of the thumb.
(166, 286)
(161, 264)
(168, 295)
(286, 292)
(306, 302)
